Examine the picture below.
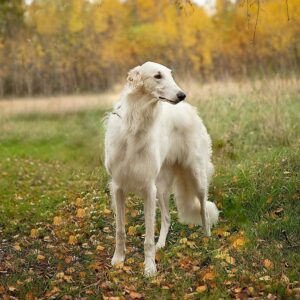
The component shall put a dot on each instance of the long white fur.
(152, 145)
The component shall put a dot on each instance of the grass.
(56, 227)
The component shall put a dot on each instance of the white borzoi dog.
(152, 145)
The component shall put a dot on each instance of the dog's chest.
(133, 162)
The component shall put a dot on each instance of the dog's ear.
(134, 78)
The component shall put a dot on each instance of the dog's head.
(155, 80)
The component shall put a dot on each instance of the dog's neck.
(139, 112)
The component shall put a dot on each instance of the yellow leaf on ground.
(57, 220)
(68, 278)
(191, 244)
(230, 260)
(72, 240)
(100, 248)
(107, 211)
(131, 230)
(222, 232)
(238, 242)
(130, 260)
(80, 213)
(210, 275)
(78, 202)
(40, 257)
(267, 264)
(34, 233)
(52, 292)
(225, 256)
(201, 288)
(60, 275)
(183, 241)
(135, 295)
(17, 247)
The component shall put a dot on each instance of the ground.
(57, 227)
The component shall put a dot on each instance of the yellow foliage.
(77, 45)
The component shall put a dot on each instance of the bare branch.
(256, 22)
(287, 10)
(248, 16)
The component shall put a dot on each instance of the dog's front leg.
(119, 199)
(149, 246)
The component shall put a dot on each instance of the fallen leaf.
(40, 257)
(70, 270)
(237, 290)
(53, 292)
(17, 247)
(209, 276)
(72, 240)
(225, 256)
(107, 211)
(80, 213)
(267, 264)
(130, 260)
(100, 248)
(221, 232)
(78, 202)
(135, 295)
(68, 278)
(238, 242)
(201, 288)
(34, 233)
(60, 275)
(191, 244)
(57, 220)
(265, 278)
(11, 288)
(183, 241)
(47, 239)
(106, 229)
(131, 230)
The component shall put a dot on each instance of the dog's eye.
(158, 76)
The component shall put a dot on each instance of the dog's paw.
(160, 245)
(207, 231)
(150, 269)
(117, 259)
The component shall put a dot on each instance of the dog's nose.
(181, 96)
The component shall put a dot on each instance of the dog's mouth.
(169, 101)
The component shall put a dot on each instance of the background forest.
(67, 46)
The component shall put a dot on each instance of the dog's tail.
(188, 205)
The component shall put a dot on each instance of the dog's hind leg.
(163, 202)
(119, 199)
(149, 245)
